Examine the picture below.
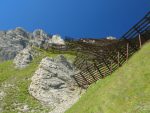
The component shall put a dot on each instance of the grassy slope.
(126, 91)
(20, 79)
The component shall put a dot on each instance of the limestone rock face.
(12, 41)
(39, 38)
(25, 57)
(111, 38)
(53, 85)
(57, 40)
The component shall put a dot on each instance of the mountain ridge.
(15, 40)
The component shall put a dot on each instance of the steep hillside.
(14, 83)
(126, 91)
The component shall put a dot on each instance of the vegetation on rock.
(14, 85)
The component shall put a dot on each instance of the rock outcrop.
(56, 40)
(40, 38)
(12, 41)
(53, 85)
(111, 38)
(25, 57)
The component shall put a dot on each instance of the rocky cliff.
(53, 85)
(13, 41)
(24, 57)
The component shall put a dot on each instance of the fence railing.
(97, 62)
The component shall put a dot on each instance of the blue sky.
(74, 18)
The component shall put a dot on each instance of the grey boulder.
(53, 85)
(11, 42)
(25, 57)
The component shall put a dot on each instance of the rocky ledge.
(53, 85)
(24, 57)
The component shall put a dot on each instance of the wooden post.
(76, 81)
(95, 65)
(88, 70)
(111, 66)
(87, 82)
(106, 66)
(127, 51)
(140, 40)
(105, 71)
(118, 59)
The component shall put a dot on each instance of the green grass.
(20, 79)
(126, 91)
